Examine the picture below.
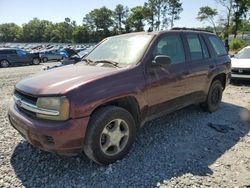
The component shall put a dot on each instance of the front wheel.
(214, 97)
(110, 135)
(36, 61)
(4, 63)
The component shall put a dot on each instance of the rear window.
(218, 45)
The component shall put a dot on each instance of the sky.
(22, 11)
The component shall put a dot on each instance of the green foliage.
(10, 32)
(241, 7)
(174, 10)
(103, 22)
(99, 22)
(136, 18)
(207, 14)
(236, 44)
(120, 16)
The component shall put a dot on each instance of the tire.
(36, 61)
(214, 97)
(45, 59)
(108, 127)
(4, 63)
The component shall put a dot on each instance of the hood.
(240, 63)
(61, 80)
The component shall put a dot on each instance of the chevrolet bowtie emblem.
(19, 102)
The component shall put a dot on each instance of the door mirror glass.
(162, 60)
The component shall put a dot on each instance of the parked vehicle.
(241, 65)
(14, 57)
(98, 106)
(71, 57)
(51, 55)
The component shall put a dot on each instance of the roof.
(8, 48)
(176, 29)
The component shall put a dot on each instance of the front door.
(167, 85)
(22, 57)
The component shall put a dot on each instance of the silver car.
(51, 55)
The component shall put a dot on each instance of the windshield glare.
(124, 49)
(244, 54)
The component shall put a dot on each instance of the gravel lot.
(177, 150)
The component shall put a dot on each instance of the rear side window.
(204, 49)
(171, 46)
(195, 46)
(7, 52)
(218, 45)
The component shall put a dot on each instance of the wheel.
(4, 63)
(214, 97)
(110, 135)
(36, 61)
(45, 59)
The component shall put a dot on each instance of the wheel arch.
(128, 103)
(221, 77)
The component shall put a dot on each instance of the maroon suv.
(97, 105)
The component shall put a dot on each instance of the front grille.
(241, 71)
(29, 113)
(27, 98)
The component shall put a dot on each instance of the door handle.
(211, 66)
(185, 73)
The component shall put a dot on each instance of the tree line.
(99, 23)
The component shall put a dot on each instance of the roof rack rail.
(192, 29)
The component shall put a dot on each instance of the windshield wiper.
(108, 62)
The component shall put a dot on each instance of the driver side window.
(171, 46)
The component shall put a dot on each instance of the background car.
(13, 57)
(51, 55)
(241, 64)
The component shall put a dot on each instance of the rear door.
(201, 66)
(23, 57)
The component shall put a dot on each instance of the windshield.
(124, 49)
(244, 54)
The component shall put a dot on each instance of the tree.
(10, 32)
(241, 7)
(100, 21)
(35, 29)
(207, 14)
(81, 34)
(120, 15)
(136, 18)
(228, 5)
(157, 13)
(174, 10)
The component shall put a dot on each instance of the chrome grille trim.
(33, 108)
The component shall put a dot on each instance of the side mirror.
(162, 60)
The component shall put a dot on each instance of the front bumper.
(66, 138)
(240, 76)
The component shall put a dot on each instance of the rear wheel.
(36, 61)
(45, 59)
(4, 63)
(110, 135)
(214, 97)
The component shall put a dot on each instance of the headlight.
(57, 108)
